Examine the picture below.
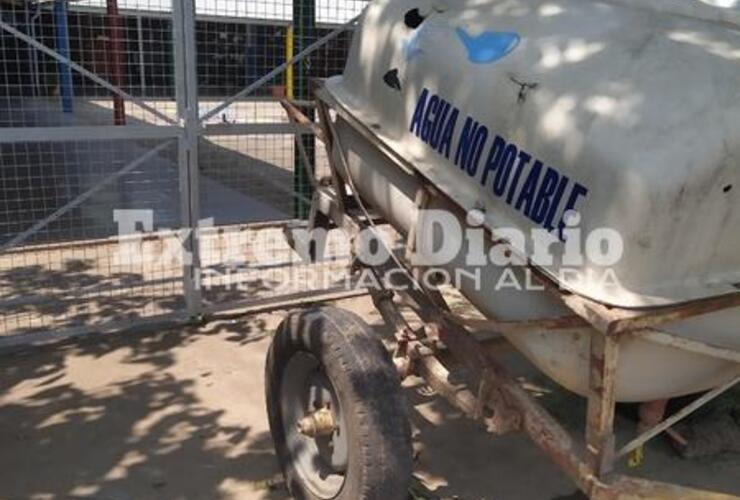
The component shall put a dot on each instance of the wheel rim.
(320, 461)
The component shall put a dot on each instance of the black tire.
(367, 388)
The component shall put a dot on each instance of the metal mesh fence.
(103, 130)
(131, 52)
(262, 164)
(71, 271)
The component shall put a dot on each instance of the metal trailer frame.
(499, 400)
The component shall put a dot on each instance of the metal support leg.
(186, 89)
(34, 53)
(62, 39)
(29, 49)
(142, 60)
(601, 403)
(676, 417)
(304, 22)
(115, 34)
(289, 51)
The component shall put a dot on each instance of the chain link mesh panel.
(92, 128)
(262, 165)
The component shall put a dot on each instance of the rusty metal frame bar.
(513, 409)
(676, 417)
(667, 339)
(604, 358)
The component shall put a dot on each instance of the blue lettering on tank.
(427, 123)
(524, 159)
(526, 196)
(439, 120)
(504, 170)
(509, 172)
(556, 202)
(544, 195)
(494, 157)
(576, 192)
(446, 142)
(416, 121)
(470, 147)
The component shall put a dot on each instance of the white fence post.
(186, 91)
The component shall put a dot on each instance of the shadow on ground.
(181, 414)
(84, 293)
(132, 417)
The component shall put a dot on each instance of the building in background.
(238, 41)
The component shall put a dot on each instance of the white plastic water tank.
(627, 111)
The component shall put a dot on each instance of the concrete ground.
(181, 414)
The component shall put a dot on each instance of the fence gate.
(147, 169)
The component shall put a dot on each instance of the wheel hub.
(316, 432)
(319, 423)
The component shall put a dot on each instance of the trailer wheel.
(336, 412)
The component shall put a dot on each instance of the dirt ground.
(181, 414)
